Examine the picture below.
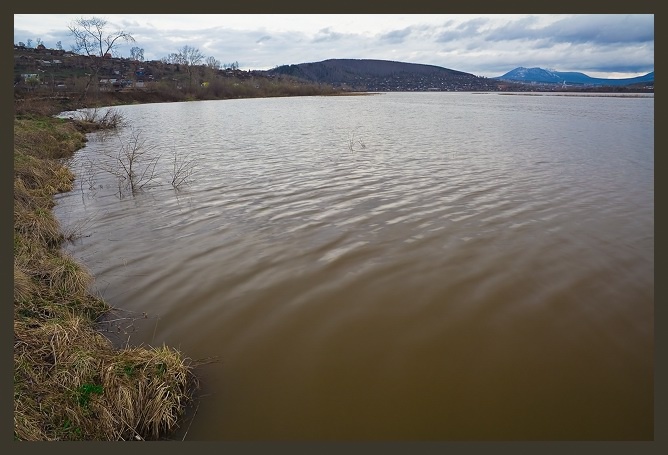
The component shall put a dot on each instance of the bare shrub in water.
(182, 169)
(355, 143)
(134, 163)
(101, 119)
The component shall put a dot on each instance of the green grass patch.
(84, 392)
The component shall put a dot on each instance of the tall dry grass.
(74, 385)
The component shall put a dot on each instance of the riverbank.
(70, 381)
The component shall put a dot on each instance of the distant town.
(42, 70)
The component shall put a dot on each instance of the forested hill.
(384, 75)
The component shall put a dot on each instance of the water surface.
(404, 266)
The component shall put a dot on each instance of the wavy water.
(439, 266)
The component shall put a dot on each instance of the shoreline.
(70, 381)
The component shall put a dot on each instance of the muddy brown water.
(404, 266)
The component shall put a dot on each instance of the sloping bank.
(70, 381)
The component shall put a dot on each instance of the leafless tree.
(92, 39)
(137, 53)
(172, 58)
(188, 57)
(212, 63)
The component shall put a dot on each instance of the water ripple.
(474, 247)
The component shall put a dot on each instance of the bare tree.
(59, 45)
(212, 63)
(172, 58)
(188, 57)
(92, 39)
(137, 53)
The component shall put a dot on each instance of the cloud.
(326, 35)
(396, 36)
(593, 28)
(465, 30)
(602, 29)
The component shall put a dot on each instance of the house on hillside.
(109, 84)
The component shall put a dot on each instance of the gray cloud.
(602, 29)
(473, 26)
(327, 35)
(396, 36)
(519, 29)
(597, 28)
(464, 30)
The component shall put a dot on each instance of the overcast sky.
(607, 45)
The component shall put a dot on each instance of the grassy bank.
(70, 381)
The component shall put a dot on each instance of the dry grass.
(23, 285)
(70, 382)
(37, 106)
(47, 137)
(81, 387)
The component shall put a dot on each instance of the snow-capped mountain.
(548, 76)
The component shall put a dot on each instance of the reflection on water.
(443, 266)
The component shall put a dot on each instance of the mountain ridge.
(548, 76)
(385, 75)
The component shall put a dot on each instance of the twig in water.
(191, 422)
(154, 329)
(352, 142)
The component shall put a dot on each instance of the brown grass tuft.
(81, 387)
(23, 285)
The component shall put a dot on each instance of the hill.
(384, 75)
(544, 76)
